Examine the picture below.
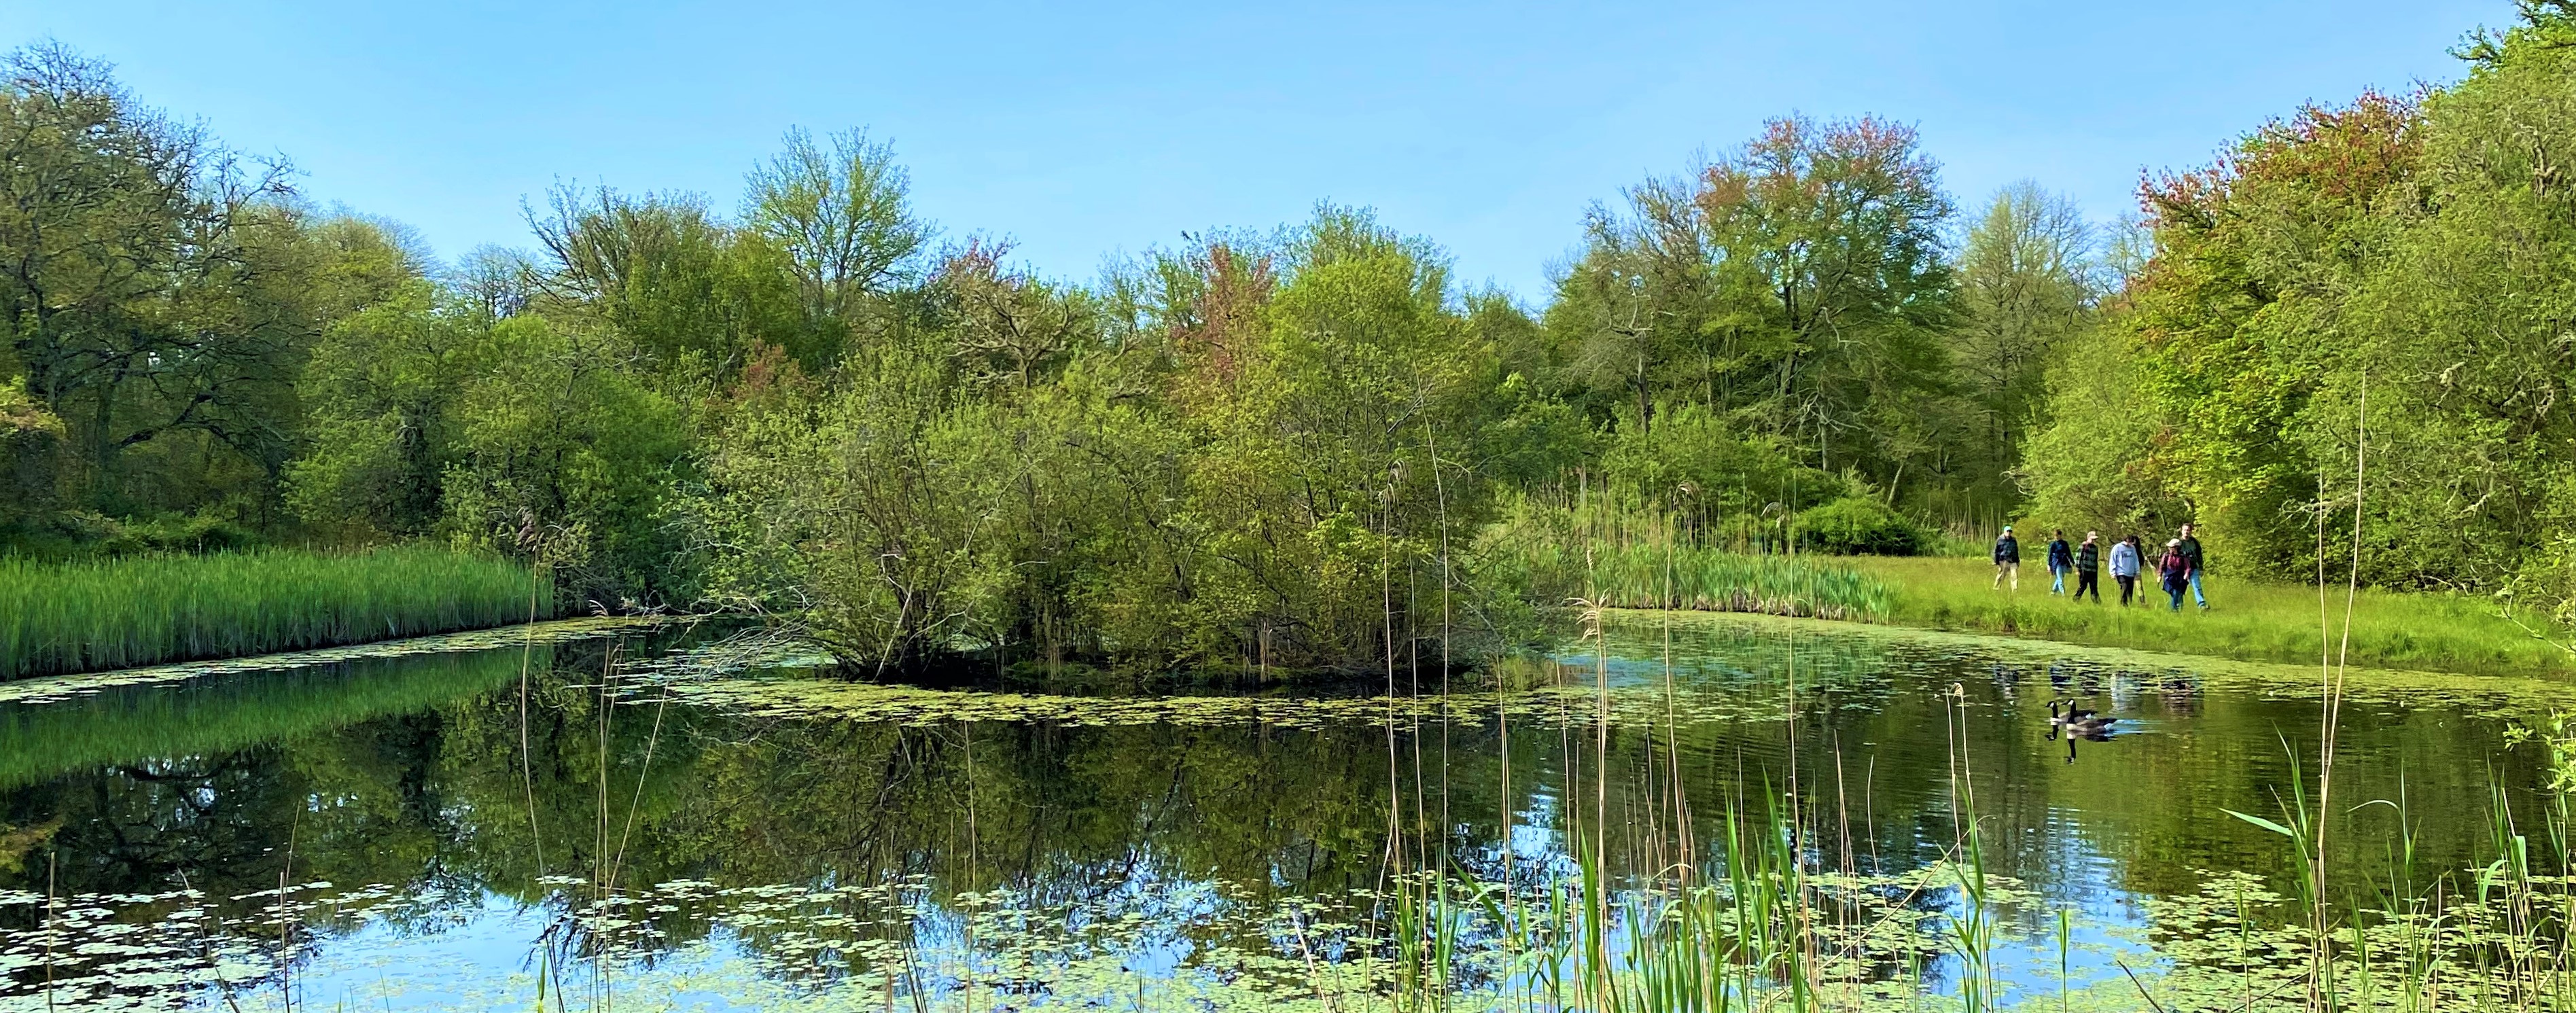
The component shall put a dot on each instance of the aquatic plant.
(1625, 907)
(93, 616)
(1650, 575)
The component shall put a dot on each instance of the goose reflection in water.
(2077, 723)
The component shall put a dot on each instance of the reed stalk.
(58, 618)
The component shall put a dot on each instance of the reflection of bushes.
(144, 722)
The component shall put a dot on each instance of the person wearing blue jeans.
(2060, 560)
(2189, 547)
(2173, 572)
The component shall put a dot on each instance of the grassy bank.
(2247, 620)
(82, 617)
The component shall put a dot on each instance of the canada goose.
(2077, 721)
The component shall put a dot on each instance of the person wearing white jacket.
(2124, 567)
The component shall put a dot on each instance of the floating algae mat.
(666, 818)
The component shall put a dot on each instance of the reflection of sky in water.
(484, 953)
(490, 942)
(2106, 922)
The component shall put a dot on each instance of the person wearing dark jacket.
(2191, 561)
(2008, 559)
(2088, 567)
(2060, 560)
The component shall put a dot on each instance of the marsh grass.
(2496, 937)
(1777, 917)
(58, 618)
(2247, 620)
(1651, 575)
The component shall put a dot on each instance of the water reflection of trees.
(435, 799)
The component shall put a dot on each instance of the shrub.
(1858, 525)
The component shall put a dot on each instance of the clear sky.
(1081, 130)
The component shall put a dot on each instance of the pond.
(614, 816)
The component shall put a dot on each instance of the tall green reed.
(1764, 920)
(1668, 576)
(60, 618)
(1614, 553)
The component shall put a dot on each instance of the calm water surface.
(367, 835)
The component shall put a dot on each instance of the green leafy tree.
(2462, 334)
(836, 210)
(2384, 280)
(2024, 293)
(2100, 463)
(695, 296)
(383, 387)
(1837, 227)
(561, 445)
(1640, 315)
(145, 279)
(2241, 318)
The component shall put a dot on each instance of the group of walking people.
(2177, 570)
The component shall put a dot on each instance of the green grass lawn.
(2250, 620)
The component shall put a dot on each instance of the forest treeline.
(1308, 446)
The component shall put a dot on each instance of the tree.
(493, 282)
(561, 443)
(2242, 317)
(1798, 290)
(2463, 338)
(1011, 325)
(1837, 226)
(2100, 460)
(1640, 314)
(691, 292)
(2024, 292)
(30, 437)
(382, 388)
(136, 263)
(874, 508)
(838, 212)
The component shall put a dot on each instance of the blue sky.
(1083, 130)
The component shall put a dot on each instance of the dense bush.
(1858, 525)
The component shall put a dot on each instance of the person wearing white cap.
(2008, 559)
